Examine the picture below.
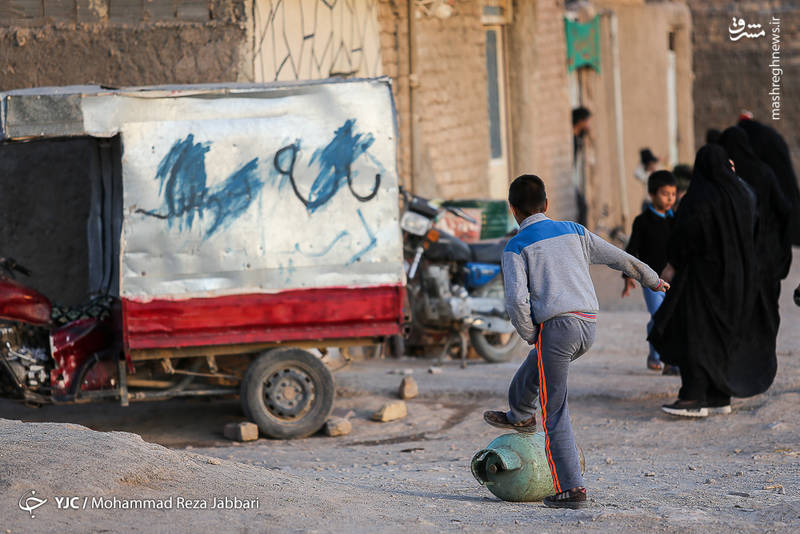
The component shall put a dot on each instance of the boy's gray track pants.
(543, 375)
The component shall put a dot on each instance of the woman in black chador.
(773, 245)
(705, 324)
(770, 147)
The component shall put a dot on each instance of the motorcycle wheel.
(288, 393)
(493, 347)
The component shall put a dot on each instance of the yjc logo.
(30, 502)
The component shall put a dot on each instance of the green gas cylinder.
(514, 467)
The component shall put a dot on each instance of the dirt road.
(645, 471)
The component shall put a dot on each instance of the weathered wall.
(735, 75)
(541, 136)
(120, 43)
(643, 43)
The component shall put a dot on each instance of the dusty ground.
(645, 471)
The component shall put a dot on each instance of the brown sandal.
(499, 420)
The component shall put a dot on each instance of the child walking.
(552, 304)
(648, 242)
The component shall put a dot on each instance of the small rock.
(739, 473)
(244, 431)
(391, 411)
(609, 461)
(737, 451)
(435, 370)
(650, 474)
(406, 371)
(338, 426)
(408, 388)
(214, 461)
(710, 481)
(692, 468)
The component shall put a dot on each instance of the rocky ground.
(645, 470)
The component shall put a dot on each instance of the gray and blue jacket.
(546, 272)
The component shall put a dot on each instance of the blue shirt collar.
(662, 215)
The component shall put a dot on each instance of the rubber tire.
(252, 398)
(491, 353)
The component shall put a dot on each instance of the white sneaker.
(684, 408)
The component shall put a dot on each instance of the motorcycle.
(52, 353)
(455, 292)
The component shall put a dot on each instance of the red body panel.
(20, 303)
(303, 314)
(72, 344)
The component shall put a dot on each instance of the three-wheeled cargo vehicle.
(231, 229)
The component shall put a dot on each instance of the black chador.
(708, 313)
(771, 148)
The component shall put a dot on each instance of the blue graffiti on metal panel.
(335, 161)
(345, 233)
(182, 183)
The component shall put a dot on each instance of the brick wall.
(448, 94)
(442, 108)
(119, 42)
(393, 21)
(735, 75)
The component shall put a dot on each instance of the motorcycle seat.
(489, 251)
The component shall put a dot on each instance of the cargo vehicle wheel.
(287, 393)
(493, 347)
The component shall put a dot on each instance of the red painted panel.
(21, 303)
(304, 314)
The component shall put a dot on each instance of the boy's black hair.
(527, 194)
(659, 179)
(580, 114)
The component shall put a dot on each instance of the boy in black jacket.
(648, 242)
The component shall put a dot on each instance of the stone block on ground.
(408, 388)
(244, 431)
(338, 426)
(391, 411)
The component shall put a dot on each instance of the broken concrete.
(390, 411)
(338, 426)
(244, 431)
(408, 388)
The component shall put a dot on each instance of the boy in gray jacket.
(552, 304)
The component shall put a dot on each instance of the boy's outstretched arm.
(518, 296)
(602, 252)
